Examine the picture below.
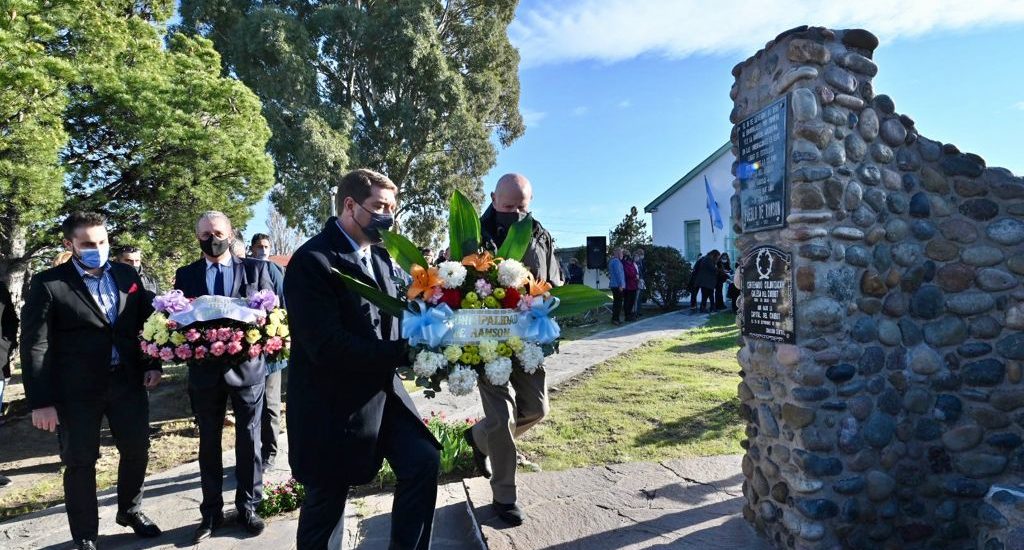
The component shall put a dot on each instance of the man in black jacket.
(271, 415)
(347, 409)
(220, 273)
(81, 361)
(8, 343)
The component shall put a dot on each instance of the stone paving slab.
(689, 503)
(573, 358)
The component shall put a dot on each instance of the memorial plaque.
(768, 295)
(761, 168)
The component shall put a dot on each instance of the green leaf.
(577, 299)
(463, 227)
(403, 251)
(388, 304)
(517, 240)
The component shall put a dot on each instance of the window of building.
(692, 240)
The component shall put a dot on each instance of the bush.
(667, 273)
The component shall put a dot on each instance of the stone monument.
(883, 393)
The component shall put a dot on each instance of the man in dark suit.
(8, 343)
(348, 410)
(271, 416)
(81, 361)
(221, 273)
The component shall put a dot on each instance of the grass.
(669, 399)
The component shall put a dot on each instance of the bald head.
(512, 194)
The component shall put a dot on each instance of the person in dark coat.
(347, 409)
(132, 256)
(575, 272)
(706, 276)
(691, 284)
(734, 291)
(221, 273)
(8, 344)
(724, 274)
(81, 361)
(632, 286)
(259, 249)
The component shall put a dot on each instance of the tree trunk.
(13, 263)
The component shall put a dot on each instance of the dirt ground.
(29, 457)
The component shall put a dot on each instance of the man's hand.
(45, 419)
(152, 379)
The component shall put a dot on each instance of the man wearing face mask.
(221, 273)
(81, 362)
(132, 256)
(348, 409)
(512, 408)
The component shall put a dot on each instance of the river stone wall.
(896, 420)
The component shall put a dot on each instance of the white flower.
(452, 353)
(427, 363)
(488, 350)
(512, 274)
(516, 344)
(532, 357)
(462, 380)
(498, 371)
(453, 274)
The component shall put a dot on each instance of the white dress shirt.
(228, 267)
(365, 254)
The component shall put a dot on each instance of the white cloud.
(580, 111)
(615, 30)
(531, 117)
(625, 104)
(1019, 105)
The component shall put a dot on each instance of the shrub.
(667, 273)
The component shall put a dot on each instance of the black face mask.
(378, 223)
(214, 247)
(506, 220)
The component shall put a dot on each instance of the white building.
(680, 216)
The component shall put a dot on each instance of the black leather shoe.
(85, 544)
(251, 522)
(479, 458)
(143, 526)
(510, 513)
(206, 528)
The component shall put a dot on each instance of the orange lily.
(480, 262)
(538, 288)
(423, 281)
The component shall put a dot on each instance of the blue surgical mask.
(93, 258)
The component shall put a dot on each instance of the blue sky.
(621, 101)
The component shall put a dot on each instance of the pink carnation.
(224, 334)
(217, 349)
(144, 346)
(483, 288)
(192, 335)
(200, 352)
(273, 345)
(237, 336)
(435, 298)
(153, 350)
(234, 347)
(525, 303)
(211, 335)
(254, 351)
(183, 352)
(166, 354)
(172, 325)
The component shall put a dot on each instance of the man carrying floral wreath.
(514, 407)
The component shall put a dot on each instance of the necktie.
(218, 281)
(366, 266)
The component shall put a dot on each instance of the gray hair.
(211, 215)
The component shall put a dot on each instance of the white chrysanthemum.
(498, 371)
(427, 363)
(488, 350)
(452, 353)
(512, 274)
(453, 274)
(462, 381)
(532, 357)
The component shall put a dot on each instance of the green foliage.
(456, 454)
(281, 499)
(403, 251)
(146, 131)
(518, 240)
(463, 227)
(631, 233)
(414, 89)
(577, 299)
(388, 304)
(666, 275)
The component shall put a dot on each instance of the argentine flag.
(713, 212)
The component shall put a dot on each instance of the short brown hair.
(358, 184)
(81, 219)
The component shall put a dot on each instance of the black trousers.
(707, 295)
(416, 463)
(630, 304)
(271, 417)
(209, 406)
(126, 406)
(617, 295)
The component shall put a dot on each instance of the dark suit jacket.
(66, 339)
(250, 277)
(342, 364)
(8, 331)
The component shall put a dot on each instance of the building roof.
(689, 176)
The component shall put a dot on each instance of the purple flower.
(172, 302)
(264, 299)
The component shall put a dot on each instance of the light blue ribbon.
(426, 325)
(536, 325)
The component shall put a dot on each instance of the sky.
(621, 98)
